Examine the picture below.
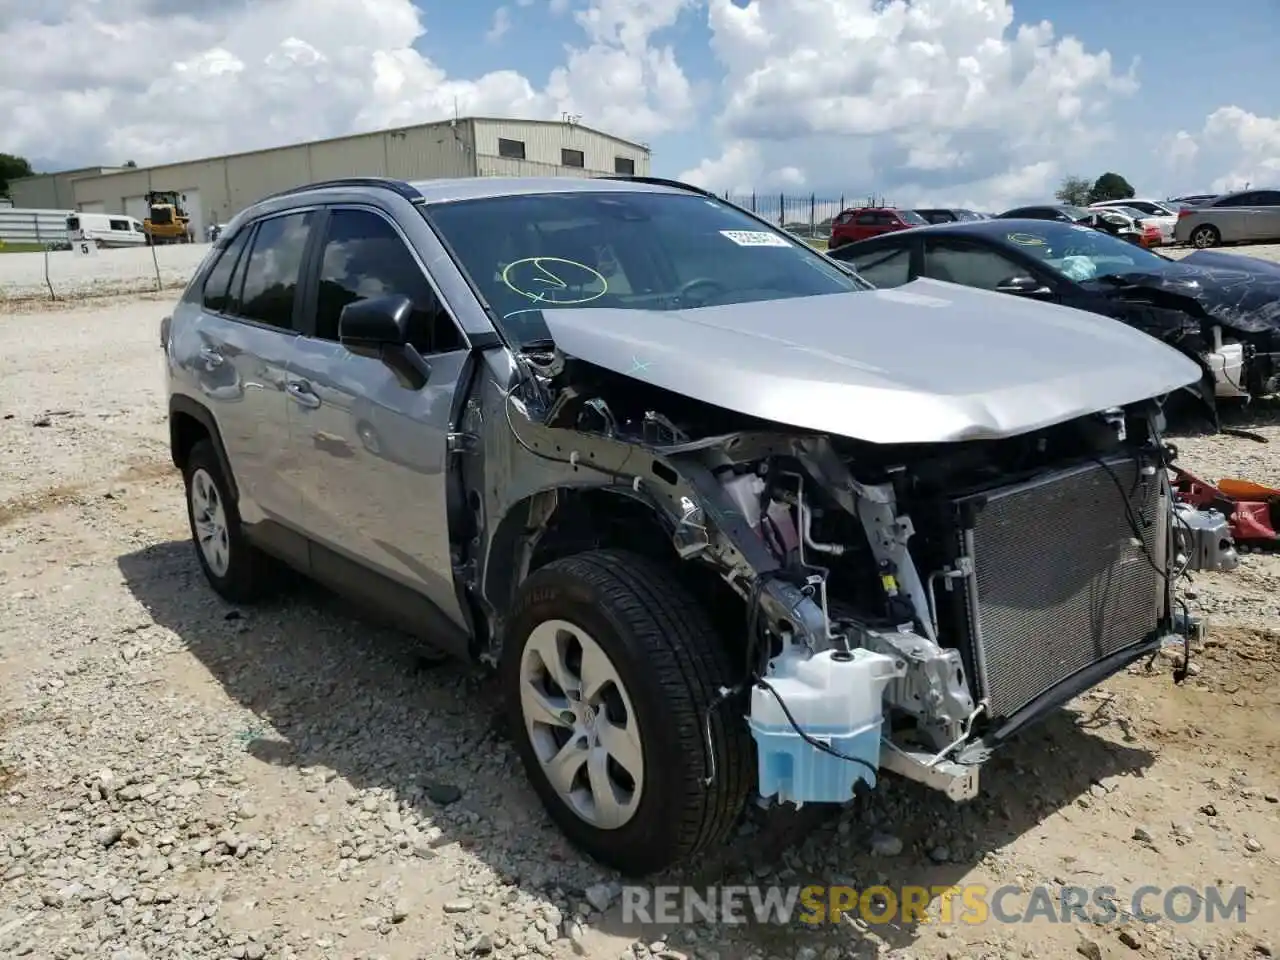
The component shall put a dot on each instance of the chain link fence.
(58, 270)
(808, 216)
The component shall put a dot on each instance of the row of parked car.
(1223, 310)
(1200, 220)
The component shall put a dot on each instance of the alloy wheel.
(580, 721)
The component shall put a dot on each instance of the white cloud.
(500, 25)
(75, 85)
(1233, 149)
(938, 100)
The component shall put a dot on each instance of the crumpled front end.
(907, 607)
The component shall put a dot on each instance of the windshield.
(1077, 213)
(628, 250)
(910, 216)
(1082, 253)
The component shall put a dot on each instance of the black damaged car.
(1221, 309)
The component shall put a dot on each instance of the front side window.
(365, 257)
(624, 250)
(911, 217)
(1081, 253)
(968, 264)
(272, 270)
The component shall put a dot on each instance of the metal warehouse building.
(216, 189)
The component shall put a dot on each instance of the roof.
(119, 171)
(566, 123)
(479, 188)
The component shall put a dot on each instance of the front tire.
(609, 668)
(237, 570)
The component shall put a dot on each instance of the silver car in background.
(1246, 216)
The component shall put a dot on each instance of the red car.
(864, 222)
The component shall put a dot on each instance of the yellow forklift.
(167, 220)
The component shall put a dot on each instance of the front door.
(374, 447)
(972, 265)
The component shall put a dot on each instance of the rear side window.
(886, 267)
(217, 283)
(273, 269)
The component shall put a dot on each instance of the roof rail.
(660, 182)
(387, 183)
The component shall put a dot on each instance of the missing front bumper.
(957, 775)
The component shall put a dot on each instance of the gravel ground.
(182, 779)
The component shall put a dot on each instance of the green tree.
(12, 168)
(1110, 186)
(1073, 190)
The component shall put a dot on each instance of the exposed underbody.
(999, 578)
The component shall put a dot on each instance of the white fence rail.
(20, 226)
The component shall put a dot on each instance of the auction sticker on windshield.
(1025, 239)
(754, 238)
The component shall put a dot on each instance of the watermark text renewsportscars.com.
(967, 904)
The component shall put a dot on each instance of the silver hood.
(927, 362)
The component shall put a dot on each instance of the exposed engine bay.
(905, 607)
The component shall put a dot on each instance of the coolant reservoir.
(835, 698)
(1227, 364)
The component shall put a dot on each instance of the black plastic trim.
(399, 187)
(402, 605)
(658, 182)
(181, 404)
(1084, 679)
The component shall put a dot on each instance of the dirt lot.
(181, 779)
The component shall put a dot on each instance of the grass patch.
(816, 244)
(6, 247)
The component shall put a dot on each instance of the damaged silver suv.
(727, 520)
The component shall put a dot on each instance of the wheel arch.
(190, 422)
(561, 521)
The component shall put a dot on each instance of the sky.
(976, 103)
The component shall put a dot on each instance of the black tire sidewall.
(554, 595)
(1207, 231)
(202, 457)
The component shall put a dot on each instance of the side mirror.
(375, 322)
(378, 328)
(1023, 286)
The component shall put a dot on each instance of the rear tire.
(238, 571)
(640, 664)
(1205, 236)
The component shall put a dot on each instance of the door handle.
(211, 357)
(301, 393)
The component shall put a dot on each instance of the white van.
(106, 230)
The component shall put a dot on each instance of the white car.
(1153, 211)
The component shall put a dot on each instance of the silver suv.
(726, 519)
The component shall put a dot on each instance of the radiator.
(1059, 579)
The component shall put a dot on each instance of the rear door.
(1234, 217)
(1267, 205)
(248, 330)
(374, 446)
